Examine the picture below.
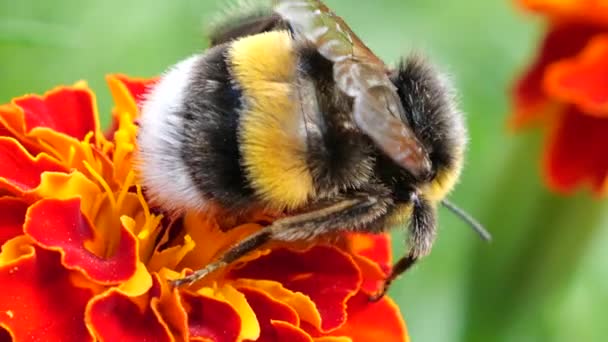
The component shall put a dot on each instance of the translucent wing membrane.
(362, 75)
(389, 133)
(309, 19)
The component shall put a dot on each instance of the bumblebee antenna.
(473, 223)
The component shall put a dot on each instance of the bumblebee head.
(430, 111)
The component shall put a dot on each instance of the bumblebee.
(289, 111)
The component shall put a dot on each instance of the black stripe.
(211, 151)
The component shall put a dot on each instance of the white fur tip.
(164, 175)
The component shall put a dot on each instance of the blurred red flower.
(84, 258)
(566, 89)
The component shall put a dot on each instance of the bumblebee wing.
(244, 18)
(320, 26)
(359, 73)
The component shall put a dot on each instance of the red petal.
(59, 225)
(372, 253)
(577, 152)
(137, 87)
(114, 316)
(69, 110)
(327, 275)
(20, 172)
(12, 216)
(268, 310)
(380, 321)
(583, 80)
(128, 94)
(169, 306)
(38, 302)
(562, 41)
(4, 131)
(212, 319)
(376, 247)
(285, 331)
(5, 336)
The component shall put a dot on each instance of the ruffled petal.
(376, 247)
(20, 171)
(577, 152)
(284, 331)
(39, 302)
(325, 274)
(210, 319)
(250, 327)
(530, 101)
(69, 110)
(59, 225)
(372, 254)
(129, 92)
(11, 126)
(12, 216)
(114, 316)
(301, 303)
(380, 321)
(269, 310)
(583, 80)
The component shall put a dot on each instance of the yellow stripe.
(444, 182)
(272, 147)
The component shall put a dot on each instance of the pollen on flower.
(86, 258)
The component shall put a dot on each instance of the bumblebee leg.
(249, 244)
(401, 266)
(347, 213)
(422, 231)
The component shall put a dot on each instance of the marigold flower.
(83, 257)
(566, 88)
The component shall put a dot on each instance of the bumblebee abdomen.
(220, 128)
(189, 155)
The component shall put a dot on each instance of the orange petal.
(372, 254)
(20, 172)
(6, 112)
(373, 275)
(211, 241)
(137, 87)
(301, 303)
(114, 316)
(576, 152)
(324, 273)
(376, 247)
(583, 80)
(573, 10)
(65, 186)
(12, 216)
(267, 310)
(59, 225)
(38, 301)
(169, 306)
(284, 331)
(211, 319)
(250, 327)
(128, 92)
(69, 110)
(380, 321)
(529, 99)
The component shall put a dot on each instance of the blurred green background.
(545, 275)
